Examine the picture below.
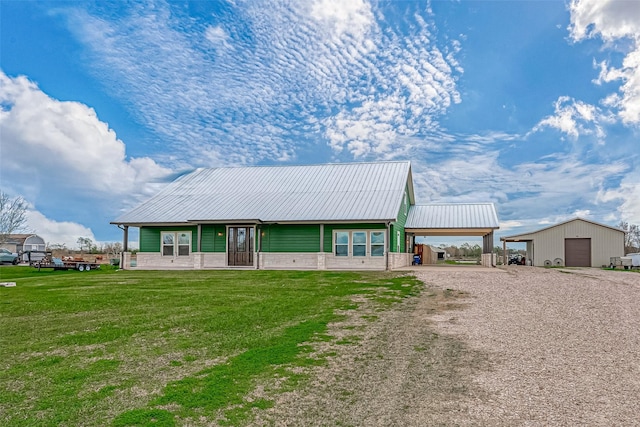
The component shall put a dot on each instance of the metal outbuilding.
(574, 243)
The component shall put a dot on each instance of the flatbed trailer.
(58, 264)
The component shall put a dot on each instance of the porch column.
(125, 239)
(322, 259)
(199, 237)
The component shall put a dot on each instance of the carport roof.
(465, 219)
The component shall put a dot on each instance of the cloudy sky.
(534, 106)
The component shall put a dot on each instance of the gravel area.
(522, 346)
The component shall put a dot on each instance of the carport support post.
(504, 252)
(487, 250)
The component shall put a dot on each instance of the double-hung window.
(342, 243)
(359, 243)
(377, 243)
(176, 243)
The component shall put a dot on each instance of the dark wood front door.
(240, 246)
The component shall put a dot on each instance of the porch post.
(125, 239)
(199, 237)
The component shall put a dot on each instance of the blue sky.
(534, 106)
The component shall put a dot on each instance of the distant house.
(574, 243)
(330, 216)
(21, 243)
(24, 242)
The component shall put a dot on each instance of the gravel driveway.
(523, 346)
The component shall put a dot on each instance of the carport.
(455, 220)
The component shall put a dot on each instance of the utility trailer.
(625, 262)
(59, 264)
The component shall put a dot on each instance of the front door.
(240, 246)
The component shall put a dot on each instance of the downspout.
(259, 245)
(388, 246)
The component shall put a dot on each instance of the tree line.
(13, 219)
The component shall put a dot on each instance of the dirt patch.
(388, 368)
(529, 347)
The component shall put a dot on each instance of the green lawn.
(163, 348)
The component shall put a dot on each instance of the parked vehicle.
(625, 262)
(6, 256)
(517, 260)
(50, 261)
(635, 259)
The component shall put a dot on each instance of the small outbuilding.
(574, 243)
(20, 243)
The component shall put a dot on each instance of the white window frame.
(383, 244)
(368, 244)
(353, 243)
(406, 204)
(175, 247)
(335, 243)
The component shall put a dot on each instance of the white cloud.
(510, 225)
(527, 194)
(57, 232)
(574, 118)
(344, 17)
(62, 147)
(613, 20)
(217, 36)
(311, 72)
(628, 194)
(67, 164)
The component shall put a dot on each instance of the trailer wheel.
(81, 267)
(87, 267)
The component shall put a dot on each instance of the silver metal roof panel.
(453, 216)
(330, 192)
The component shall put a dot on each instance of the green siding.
(394, 238)
(400, 223)
(404, 209)
(328, 232)
(290, 238)
(211, 242)
(150, 237)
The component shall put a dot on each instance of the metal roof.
(330, 192)
(529, 235)
(453, 216)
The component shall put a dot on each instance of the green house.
(330, 216)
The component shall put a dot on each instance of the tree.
(631, 237)
(12, 215)
(85, 242)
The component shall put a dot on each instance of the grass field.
(164, 348)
